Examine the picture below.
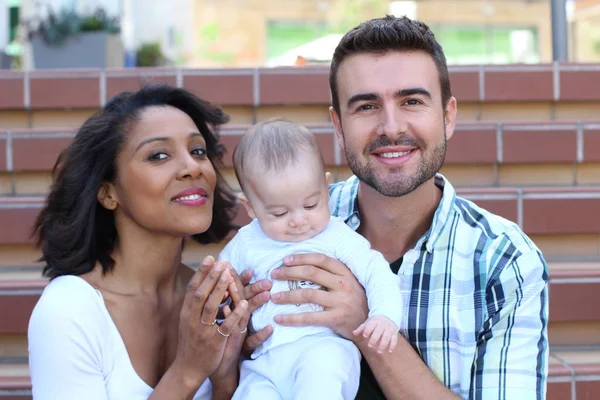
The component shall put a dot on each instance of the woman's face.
(165, 181)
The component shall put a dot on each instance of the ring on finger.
(222, 334)
(209, 324)
(245, 330)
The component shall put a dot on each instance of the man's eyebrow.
(400, 93)
(412, 92)
(362, 97)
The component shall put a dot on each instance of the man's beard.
(396, 182)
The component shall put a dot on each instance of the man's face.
(392, 125)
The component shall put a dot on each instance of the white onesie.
(251, 248)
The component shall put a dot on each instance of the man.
(475, 286)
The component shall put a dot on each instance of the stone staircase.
(527, 147)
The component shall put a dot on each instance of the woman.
(122, 317)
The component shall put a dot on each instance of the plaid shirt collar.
(346, 207)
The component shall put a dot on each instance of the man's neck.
(393, 225)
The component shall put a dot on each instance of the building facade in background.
(249, 33)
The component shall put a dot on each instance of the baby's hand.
(380, 329)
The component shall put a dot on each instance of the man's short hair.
(272, 145)
(389, 33)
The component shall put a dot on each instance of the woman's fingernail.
(219, 267)
(264, 296)
(208, 260)
(244, 304)
(275, 273)
(275, 296)
(278, 319)
(264, 285)
(288, 259)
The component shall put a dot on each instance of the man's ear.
(244, 200)
(106, 196)
(450, 117)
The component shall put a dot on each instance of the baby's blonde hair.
(272, 145)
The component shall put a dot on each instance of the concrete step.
(574, 294)
(481, 153)
(538, 210)
(573, 374)
(15, 383)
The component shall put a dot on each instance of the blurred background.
(249, 33)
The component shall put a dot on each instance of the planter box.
(87, 50)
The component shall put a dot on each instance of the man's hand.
(379, 329)
(344, 300)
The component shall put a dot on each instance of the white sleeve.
(231, 253)
(381, 285)
(65, 342)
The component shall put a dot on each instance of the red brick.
(554, 216)
(16, 225)
(225, 89)
(37, 154)
(12, 90)
(504, 208)
(588, 390)
(327, 146)
(292, 86)
(539, 146)
(571, 302)
(2, 154)
(579, 85)
(469, 146)
(229, 141)
(591, 141)
(465, 85)
(16, 310)
(65, 89)
(559, 391)
(520, 85)
(118, 81)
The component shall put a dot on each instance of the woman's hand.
(257, 295)
(226, 375)
(202, 343)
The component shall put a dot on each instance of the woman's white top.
(76, 351)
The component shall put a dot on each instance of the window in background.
(488, 44)
(283, 36)
(300, 43)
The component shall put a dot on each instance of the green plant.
(58, 27)
(150, 55)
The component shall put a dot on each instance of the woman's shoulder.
(65, 301)
(70, 290)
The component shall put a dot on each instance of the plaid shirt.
(475, 299)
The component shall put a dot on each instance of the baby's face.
(291, 205)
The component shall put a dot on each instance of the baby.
(281, 173)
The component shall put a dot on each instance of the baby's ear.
(244, 200)
(328, 178)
